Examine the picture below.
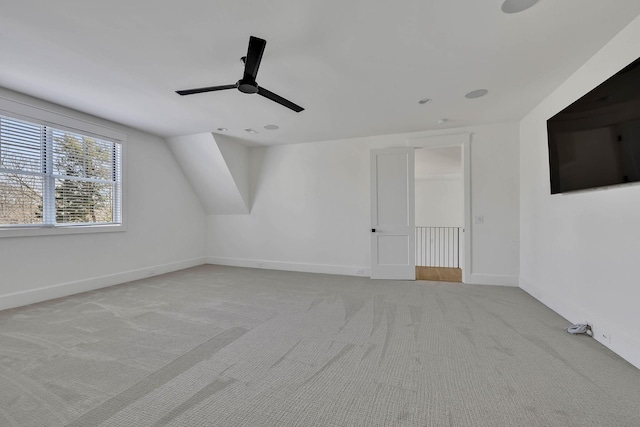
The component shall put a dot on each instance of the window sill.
(61, 230)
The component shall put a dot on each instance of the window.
(54, 177)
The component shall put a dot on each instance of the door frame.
(462, 140)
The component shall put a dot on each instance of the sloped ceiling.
(358, 67)
(217, 171)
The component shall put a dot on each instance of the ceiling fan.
(247, 84)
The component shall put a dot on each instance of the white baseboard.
(491, 279)
(342, 270)
(33, 296)
(614, 337)
(474, 279)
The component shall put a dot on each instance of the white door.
(392, 214)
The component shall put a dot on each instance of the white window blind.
(56, 177)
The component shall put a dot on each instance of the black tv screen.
(595, 142)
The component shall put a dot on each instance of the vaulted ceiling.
(358, 67)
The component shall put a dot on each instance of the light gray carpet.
(223, 346)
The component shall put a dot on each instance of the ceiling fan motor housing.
(247, 86)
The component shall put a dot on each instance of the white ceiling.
(358, 67)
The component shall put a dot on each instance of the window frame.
(72, 123)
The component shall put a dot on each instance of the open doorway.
(439, 213)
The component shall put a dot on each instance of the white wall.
(164, 230)
(311, 209)
(579, 251)
(439, 202)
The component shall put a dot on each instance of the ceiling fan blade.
(280, 100)
(254, 56)
(205, 89)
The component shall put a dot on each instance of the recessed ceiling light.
(272, 127)
(476, 93)
(424, 101)
(441, 121)
(249, 130)
(515, 6)
(222, 129)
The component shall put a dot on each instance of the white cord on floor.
(580, 328)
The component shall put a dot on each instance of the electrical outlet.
(478, 219)
(600, 334)
(604, 336)
(260, 264)
(360, 271)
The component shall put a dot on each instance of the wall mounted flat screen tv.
(595, 142)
